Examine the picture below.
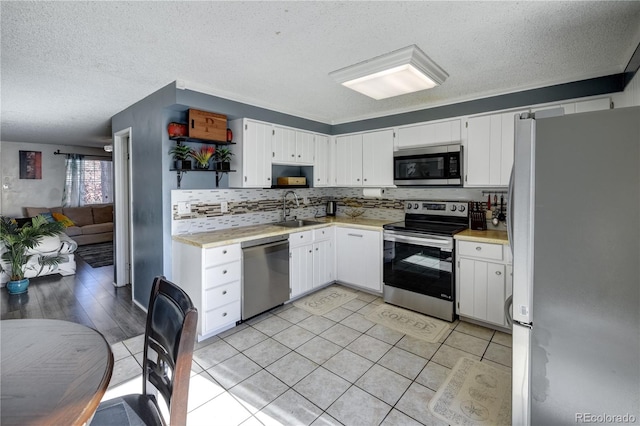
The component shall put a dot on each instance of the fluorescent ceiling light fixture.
(400, 72)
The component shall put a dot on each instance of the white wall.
(17, 193)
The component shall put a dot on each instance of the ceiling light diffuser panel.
(397, 73)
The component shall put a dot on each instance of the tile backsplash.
(202, 209)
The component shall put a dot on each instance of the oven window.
(420, 167)
(424, 270)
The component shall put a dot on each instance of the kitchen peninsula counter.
(246, 233)
(489, 236)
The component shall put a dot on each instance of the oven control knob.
(415, 206)
(454, 208)
(462, 208)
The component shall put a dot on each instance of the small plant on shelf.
(181, 154)
(202, 156)
(222, 157)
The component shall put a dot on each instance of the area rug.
(323, 301)
(474, 393)
(96, 255)
(408, 322)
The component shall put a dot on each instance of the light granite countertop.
(489, 236)
(246, 233)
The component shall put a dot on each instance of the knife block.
(478, 217)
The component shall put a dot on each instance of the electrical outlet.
(224, 206)
(184, 207)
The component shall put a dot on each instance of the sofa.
(48, 246)
(91, 224)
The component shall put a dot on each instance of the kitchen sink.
(297, 223)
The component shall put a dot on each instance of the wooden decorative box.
(292, 181)
(207, 125)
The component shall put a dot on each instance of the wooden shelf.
(181, 139)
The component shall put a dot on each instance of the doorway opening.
(123, 266)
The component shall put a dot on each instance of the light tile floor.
(288, 367)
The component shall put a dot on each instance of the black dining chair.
(166, 367)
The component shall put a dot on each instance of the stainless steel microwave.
(439, 165)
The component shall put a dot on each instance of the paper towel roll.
(372, 192)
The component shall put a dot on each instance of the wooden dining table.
(52, 373)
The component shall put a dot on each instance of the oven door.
(420, 264)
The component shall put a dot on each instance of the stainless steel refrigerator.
(575, 231)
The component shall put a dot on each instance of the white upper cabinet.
(488, 153)
(252, 154)
(291, 146)
(322, 162)
(364, 159)
(283, 145)
(589, 105)
(377, 158)
(349, 160)
(433, 133)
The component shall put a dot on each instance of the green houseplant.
(181, 154)
(222, 157)
(17, 243)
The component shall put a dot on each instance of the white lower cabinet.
(484, 281)
(359, 258)
(211, 278)
(311, 260)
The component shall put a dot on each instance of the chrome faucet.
(284, 204)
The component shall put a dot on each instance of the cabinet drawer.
(221, 274)
(322, 234)
(224, 254)
(221, 316)
(480, 250)
(300, 238)
(221, 295)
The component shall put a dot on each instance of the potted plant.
(17, 244)
(223, 158)
(202, 156)
(181, 154)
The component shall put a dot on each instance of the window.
(88, 182)
(98, 184)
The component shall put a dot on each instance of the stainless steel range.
(419, 271)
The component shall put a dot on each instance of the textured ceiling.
(68, 67)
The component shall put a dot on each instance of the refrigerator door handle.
(507, 311)
(510, 211)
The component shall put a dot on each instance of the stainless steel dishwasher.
(265, 274)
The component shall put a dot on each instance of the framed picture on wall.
(30, 165)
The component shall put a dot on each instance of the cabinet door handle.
(355, 235)
(224, 252)
(316, 248)
(268, 178)
(224, 314)
(498, 273)
(224, 292)
(358, 180)
(311, 251)
(365, 179)
(301, 236)
(293, 155)
(224, 271)
(478, 248)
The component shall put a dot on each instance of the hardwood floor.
(88, 297)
